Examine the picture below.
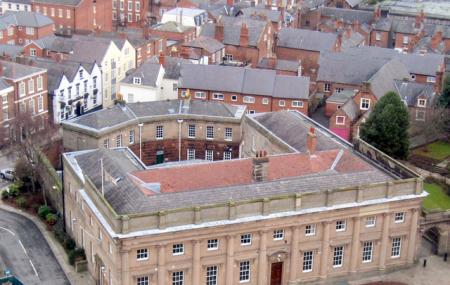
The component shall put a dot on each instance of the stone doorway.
(276, 273)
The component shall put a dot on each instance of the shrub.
(22, 202)
(76, 255)
(51, 219)
(43, 211)
(69, 243)
(5, 194)
(35, 207)
(13, 190)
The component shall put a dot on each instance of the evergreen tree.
(444, 99)
(387, 126)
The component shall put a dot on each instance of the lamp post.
(140, 125)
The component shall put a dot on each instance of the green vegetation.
(444, 99)
(43, 211)
(438, 150)
(21, 202)
(437, 198)
(387, 127)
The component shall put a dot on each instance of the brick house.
(19, 28)
(203, 50)
(305, 46)
(157, 134)
(28, 94)
(129, 13)
(260, 90)
(246, 40)
(173, 31)
(148, 47)
(76, 15)
(15, 5)
(7, 108)
(281, 66)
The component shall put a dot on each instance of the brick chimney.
(436, 39)
(161, 58)
(260, 166)
(419, 19)
(311, 140)
(439, 79)
(219, 31)
(243, 39)
(230, 3)
(377, 13)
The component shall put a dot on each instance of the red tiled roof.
(198, 176)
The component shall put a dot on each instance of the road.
(26, 253)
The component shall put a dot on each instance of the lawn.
(438, 150)
(437, 198)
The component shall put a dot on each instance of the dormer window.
(137, 80)
(421, 103)
(81, 74)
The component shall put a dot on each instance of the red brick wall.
(384, 40)
(309, 59)
(149, 49)
(170, 148)
(172, 35)
(63, 22)
(331, 107)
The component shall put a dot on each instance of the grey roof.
(211, 45)
(341, 97)
(411, 91)
(60, 2)
(354, 40)
(383, 24)
(13, 71)
(173, 27)
(243, 80)
(281, 64)
(272, 15)
(404, 26)
(4, 84)
(89, 49)
(306, 39)
(172, 66)
(353, 3)
(232, 30)
(10, 50)
(131, 113)
(383, 80)
(25, 18)
(292, 129)
(351, 109)
(56, 44)
(148, 72)
(347, 15)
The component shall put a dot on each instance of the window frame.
(396, 247)
(159, 132)
(142, 254)
(212, 244)
(278, 234)
(371, 224)
(177, 249)
(190, 154)
(364, 101)
(337, 120)
(341, 225)
(209, 132)
(308, 261)
(244, 271)
(367, 251)
(246, 239)
(338, 256)
(209, 154)
(399, 217)
(217, 96)
(281, 103)
(312, 230)
(297, 104)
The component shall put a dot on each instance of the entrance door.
(276, 273)
(159, 156)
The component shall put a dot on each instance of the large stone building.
(161, 131)
(307, 207)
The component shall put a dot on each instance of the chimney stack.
(219, 31)
(377, 13)
(439, 79)
(436, 39)
(230, 3)
(260, 166)
(161, 58)
(243, 40)
(311, 140)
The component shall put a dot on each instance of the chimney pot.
(161, 58)
(311, 140)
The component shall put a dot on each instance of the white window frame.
(191, 131)
(396, 249)
(244, 271)
(422, 103)
(367, 251)
(377, 36)
(278, 234)
(370, 221)
(246, 239)
(265, 101)
(227, 155)
(142, 280)
(308, 261)
(211, 274)
(248, 99)
(178, 278)
(119, 140)
(131, 137)
(217, 96)
(177, 249)
(137, 80)
(200, 95)
(338, 256)
(228, 134)
(234, 98)
(341, 225)
(310, 230)
(142, 254)
(190, 155)
(281, 103)
(297, 104)
(337, 120)
(399, 217)
(431, 79)
(420, 115)
(327, 87)
(364, 104)
(159, 132)
(22, 90)
(212, 244)
(209, 155)
(209, 132)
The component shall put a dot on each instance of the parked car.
(7, 174)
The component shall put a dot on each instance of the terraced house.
(302, 205)
(161, 131)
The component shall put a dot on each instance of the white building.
(74, 89)
(186, 16)
(16, 5)
(156, 79)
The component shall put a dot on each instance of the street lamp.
(140, 125)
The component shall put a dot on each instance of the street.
(25, 252)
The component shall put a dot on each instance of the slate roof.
(383, 80)
(348, 15)
(404, 26)
(411, 91)
(211, 45)
(281, 64)
(306, 39)
(56, 44)
(89, 49)
(25, 18)
(272, 15)
(10, 50)
(232, 30)
(353, 3)
(4, 84)
(60, 2)
(243, 80)
(351, 109)
(147, 71)
(14, 71)
(172, 66)
(341, 97)
(118, 115)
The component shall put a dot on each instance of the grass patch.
(438, 150)
(437, 198)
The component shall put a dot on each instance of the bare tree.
(24, 138)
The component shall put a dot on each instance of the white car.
(7, 174)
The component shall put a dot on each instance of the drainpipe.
(140, 125)
(180, 121)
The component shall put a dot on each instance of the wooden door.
(276, 273)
